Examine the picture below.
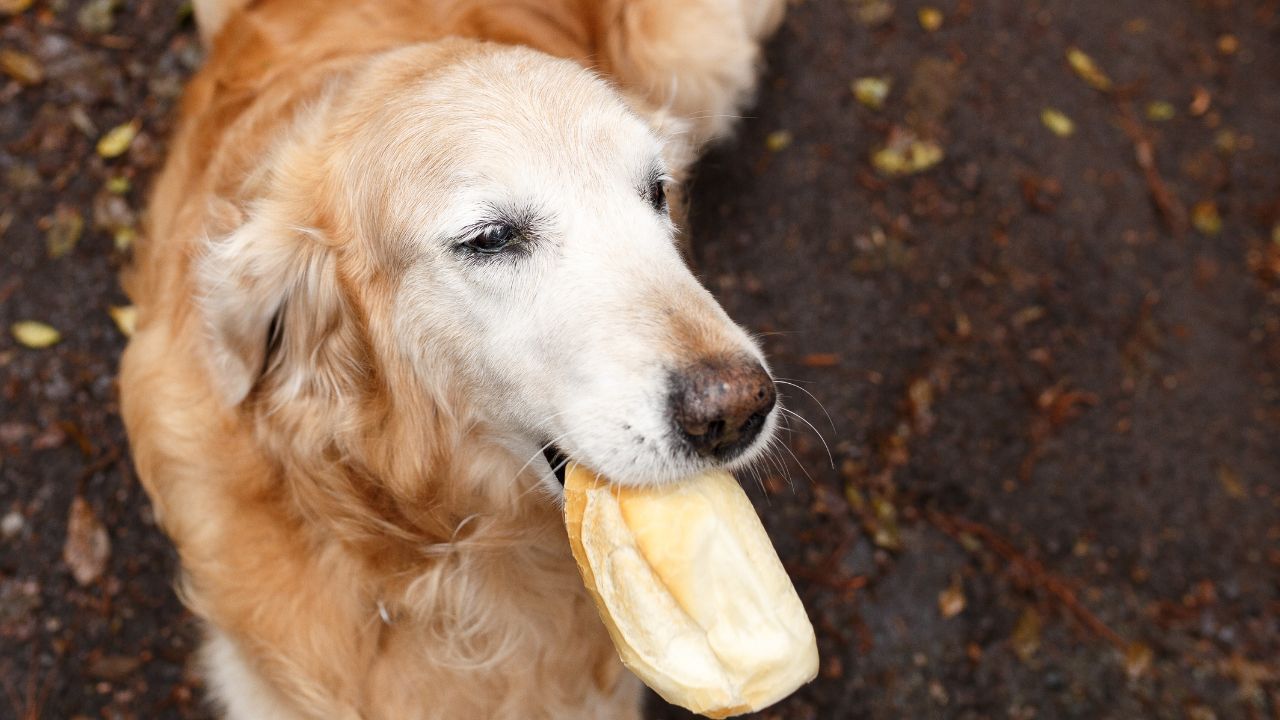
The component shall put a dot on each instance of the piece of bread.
(691, 590)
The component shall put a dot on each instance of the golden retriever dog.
(404, 256)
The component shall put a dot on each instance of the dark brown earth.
(1051, 363)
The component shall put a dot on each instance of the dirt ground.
(1037, 292)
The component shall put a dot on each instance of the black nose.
(719, 406)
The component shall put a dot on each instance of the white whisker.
(813, 397)
(830, 458)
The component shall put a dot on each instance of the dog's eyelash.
(656, 191)
(517, 228)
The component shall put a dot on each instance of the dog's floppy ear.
(271, 308)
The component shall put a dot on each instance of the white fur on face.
(571, 335)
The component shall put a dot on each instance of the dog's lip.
(556, 459)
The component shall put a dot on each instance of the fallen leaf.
(906, 154)
(920, 403)
(1230, 481)
(1198, 711)
(930, 18)
(1028, 315)
(820, 360)
(1200, 101)
(873, 12)
(887, 534)
(115, 668)
(82, 121)
(118, 185)
(13, 7)
(951, 602)
(88, 546)
(855, 498)
(1087, 69)
(35, 335)
(777, 140)
(118, 139)
(872, 91)
(1026, 635)
(125, 317)
(1226, 141)
(1057, 122)
(1249, 675)
(1160, 111)
(64, 231)
(1206, 219)
(21, 67)
(97, 16)
(124, 237)
(1137, 660)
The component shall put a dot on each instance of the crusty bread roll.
(691, 590)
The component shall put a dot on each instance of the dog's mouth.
(556, 459)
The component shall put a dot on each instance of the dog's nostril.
(720, 406)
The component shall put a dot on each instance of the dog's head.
(487, 228)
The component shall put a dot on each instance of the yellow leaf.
(1160, 111)
(118, 185)
(21, 67)
(1057, 122)
(886, 532)
(930, 18)
(778, 140)
(1231, 482)
(13, 7)
(35, 335)
(1026, 635)
(125, 317)
(64, 231)
(905, 155)
(1226, 141)
(855, 498)
(872, 91)
(1205, 218)
(118, 139)
(1087, 69)
(124, 238)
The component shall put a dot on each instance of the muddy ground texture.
(1037, 290)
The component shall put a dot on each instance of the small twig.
(1033, 569)
(1172, 213)
(108, 458)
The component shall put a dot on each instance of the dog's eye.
(492, 239)
(657, 195)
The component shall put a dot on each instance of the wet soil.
(1050, 363)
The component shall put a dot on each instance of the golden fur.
(347, 529)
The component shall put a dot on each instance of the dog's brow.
(654, 172)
